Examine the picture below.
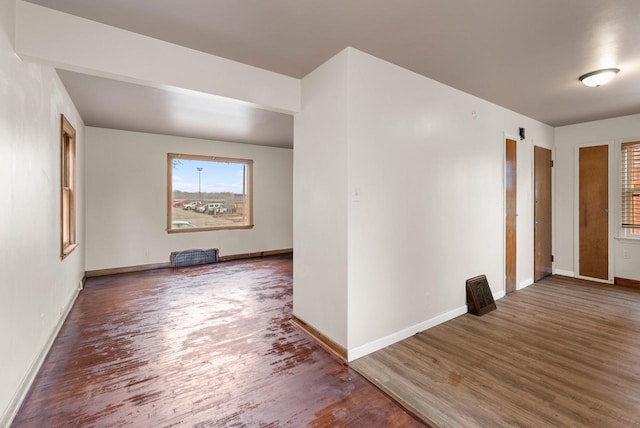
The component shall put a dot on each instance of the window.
(208, 193)
(630, 188)
(68, 187)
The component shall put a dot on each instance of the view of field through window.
(209, 193)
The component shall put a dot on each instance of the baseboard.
(141, 268)
(498, 295)
(524, 284)
(361, 351)
(23, 389)
(256, 254)
(624, 282)
(328, 344)
(588, 278)
(127, 269)
(563, 272)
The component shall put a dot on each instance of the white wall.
(36, 286)
(320, 201)
(608, 131)
(126, 199)
(427, 164)
(428, 161)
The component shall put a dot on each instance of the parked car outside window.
(181, 224)
(192, 205)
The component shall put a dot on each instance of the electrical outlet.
(356, 194)
(625, 254)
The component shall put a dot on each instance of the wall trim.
(256, 254)
(126, 269)
(524, 284)
(588, 278)
(383, 342)
(152, 266)
(563, 272)
(326, 343)
(21, 393)
(625, 282)
(498, 295)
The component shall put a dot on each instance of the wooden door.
(542, 258)
(594, 212)
(510, 215)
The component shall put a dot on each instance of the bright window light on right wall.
(599, 77)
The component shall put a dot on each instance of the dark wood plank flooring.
(202, 346)
(562, 352)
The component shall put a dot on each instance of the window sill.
(629, 240)
(208, 229)
(68, 250)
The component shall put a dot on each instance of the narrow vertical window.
(68, 187)
(630, 188)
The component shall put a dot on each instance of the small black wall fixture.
(521, 134)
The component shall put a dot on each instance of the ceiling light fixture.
(598, 77)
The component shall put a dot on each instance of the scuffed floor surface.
(208, 346)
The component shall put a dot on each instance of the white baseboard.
(524, 284)
(588, 278)
(563, 272)
(361, 351)
(498, 295)
(21, 393)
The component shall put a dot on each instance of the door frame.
(505, 137)
(576, 209)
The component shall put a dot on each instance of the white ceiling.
(106, 103)
(525, 55)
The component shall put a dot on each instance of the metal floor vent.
(193, 257)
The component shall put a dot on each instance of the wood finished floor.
(562, 352)
(208, 346)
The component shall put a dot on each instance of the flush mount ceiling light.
(598, 77)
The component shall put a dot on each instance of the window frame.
(626, 231)
(68, 241)
(249, 191)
